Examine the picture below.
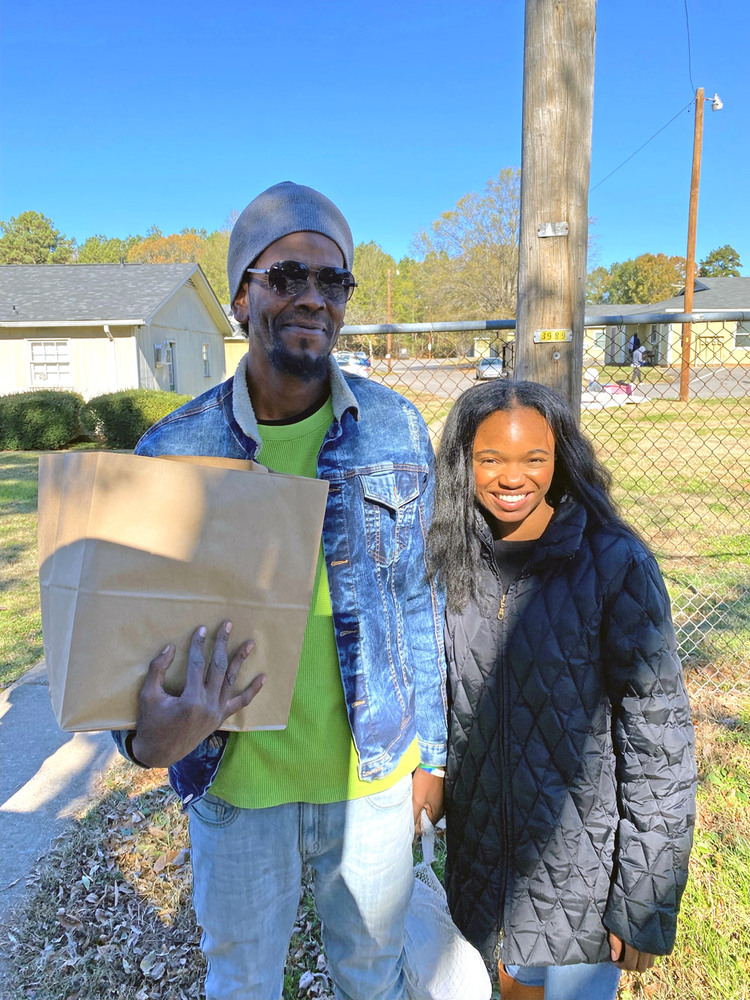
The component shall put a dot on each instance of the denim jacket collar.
(342, 399)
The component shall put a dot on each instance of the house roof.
(598, 310)
(709, 295)
(92, 294)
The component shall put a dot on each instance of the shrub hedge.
(120, 418)
(40, 420)
(47, 419)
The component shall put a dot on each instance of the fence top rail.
(613, 319)
(448, 327)
(713, 316)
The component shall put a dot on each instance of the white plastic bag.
(439, 963)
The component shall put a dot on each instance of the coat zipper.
(505, 752)
(504, 735)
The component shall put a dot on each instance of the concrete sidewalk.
(46, 777)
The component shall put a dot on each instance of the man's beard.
(305, 367)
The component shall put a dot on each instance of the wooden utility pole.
(558, 98)
(695, 180)
(388, 336)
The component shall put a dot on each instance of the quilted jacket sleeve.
(654, 747)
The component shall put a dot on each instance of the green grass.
(622, 373)
(108, 913)
(711, 960)
(433, 408)
(20, 617)
(682, 478)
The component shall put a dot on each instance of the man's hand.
(625, 956)
(427, 793)
(168, 726)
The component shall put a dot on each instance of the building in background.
(713, 343)
(98, 328)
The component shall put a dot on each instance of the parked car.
(490, 368)
(354, 362)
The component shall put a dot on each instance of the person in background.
(363, 751)
(570, 784)
(633, 342)
(637, 362)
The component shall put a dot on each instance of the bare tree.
(471, 253)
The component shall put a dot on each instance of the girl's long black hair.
(454, 547)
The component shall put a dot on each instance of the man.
(334, 789)
(637, 362)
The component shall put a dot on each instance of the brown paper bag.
(136, 552)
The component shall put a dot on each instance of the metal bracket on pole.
(552, 229)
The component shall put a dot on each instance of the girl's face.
(514, 460)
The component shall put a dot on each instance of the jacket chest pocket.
(390, 505)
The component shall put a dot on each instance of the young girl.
(570, 781)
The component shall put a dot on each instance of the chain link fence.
(681, 468)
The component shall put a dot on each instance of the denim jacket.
(378, 461)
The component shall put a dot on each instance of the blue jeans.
(570, 982)
(247, 868)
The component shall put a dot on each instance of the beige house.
(716, 342)
(235, 347)
(606, 343)
(97, 328)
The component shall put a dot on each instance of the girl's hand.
(626, 957)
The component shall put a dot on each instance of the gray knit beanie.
(283, 209)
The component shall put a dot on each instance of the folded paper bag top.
(136, 552)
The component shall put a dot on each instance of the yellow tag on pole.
(552, 336)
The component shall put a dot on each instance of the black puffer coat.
(570, 787)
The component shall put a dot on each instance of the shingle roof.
(596, 309)
(64, 293)
(711, 294)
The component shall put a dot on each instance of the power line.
(690, 53)
(688, 105)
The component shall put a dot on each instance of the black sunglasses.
(290, 277)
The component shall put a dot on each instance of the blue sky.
(119, 117)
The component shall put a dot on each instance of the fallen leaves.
(110, 915)
(175, 858)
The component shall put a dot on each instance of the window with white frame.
(49, 362)
(742, 336)
(600, 338)
(206, 355)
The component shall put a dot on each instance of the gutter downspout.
(111, 339)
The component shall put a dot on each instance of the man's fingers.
(158, 667)
(236, 662)
(217, 668)
(219, 657)
(196, 664)
(244, 698)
